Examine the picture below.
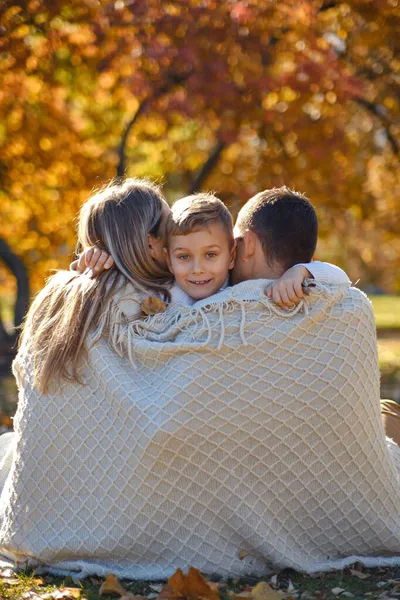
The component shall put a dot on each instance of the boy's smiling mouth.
(203, 282)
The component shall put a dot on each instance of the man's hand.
(287, 291)
(93, 261)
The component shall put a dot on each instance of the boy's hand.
(287, 291)
(93, 261)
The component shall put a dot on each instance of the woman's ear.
(167, 260)
(233, 255)
(150, 241)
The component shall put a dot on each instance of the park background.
(224, 95)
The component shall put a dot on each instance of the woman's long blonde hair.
(118, 220)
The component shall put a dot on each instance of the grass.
(380, 581)
(387, 311)
(6, 310)
(389, 355)
(26, 584)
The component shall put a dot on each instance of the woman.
(127, 221)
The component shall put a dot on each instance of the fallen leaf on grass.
(7, 573)
(111, 585)
(65, 593)
(263, 591)
(358, 574)
(191, 586)
(153, 306)
(12, 581)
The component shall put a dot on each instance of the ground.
(378, 583)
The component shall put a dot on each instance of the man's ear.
(249, 239)
(167, 260)
(233, 255)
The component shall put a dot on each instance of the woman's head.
(127, 220)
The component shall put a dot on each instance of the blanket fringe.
(122, 333)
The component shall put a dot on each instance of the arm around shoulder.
(326, 272)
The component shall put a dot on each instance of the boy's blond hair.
(197, 212)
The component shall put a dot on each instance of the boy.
(201, 249)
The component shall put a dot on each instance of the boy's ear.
(167, 260)
(233, 255)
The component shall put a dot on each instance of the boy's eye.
(183, 256)
(211, 254)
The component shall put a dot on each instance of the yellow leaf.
(111, 585)
(359, 574)
(263, 591)
(63, 594)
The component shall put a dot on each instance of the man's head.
(275, 230)
(200, 245)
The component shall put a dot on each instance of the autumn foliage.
(233, 96)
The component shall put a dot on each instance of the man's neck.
(265, 271)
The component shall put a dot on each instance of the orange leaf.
(191, 586)
(153, 305)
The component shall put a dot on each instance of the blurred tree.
(231, 95)
(8, 339)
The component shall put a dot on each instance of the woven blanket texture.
(206, 431)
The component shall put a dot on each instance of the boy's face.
(200, 260)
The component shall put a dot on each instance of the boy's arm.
(325, 272)
(287, 291)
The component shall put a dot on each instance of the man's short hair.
(285, 223)
(197, 212)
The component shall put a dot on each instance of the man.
(275, 230)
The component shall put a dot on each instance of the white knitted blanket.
(232, 427)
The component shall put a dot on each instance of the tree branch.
(172, 80)
(208, 167)
(121, 168)
(327, 6)
(379, 111)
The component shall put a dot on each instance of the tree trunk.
(17, 268)
(208, 167)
